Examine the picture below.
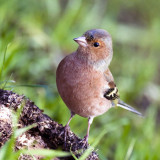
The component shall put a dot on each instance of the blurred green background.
(36, 34)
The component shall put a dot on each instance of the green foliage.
(36, 34)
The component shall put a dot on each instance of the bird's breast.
(81, 88)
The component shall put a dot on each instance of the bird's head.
(95, 43)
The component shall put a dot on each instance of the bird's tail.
(127, 107)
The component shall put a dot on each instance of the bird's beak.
(81, 41)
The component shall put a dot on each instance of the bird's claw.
(84, 142)
(65, 131)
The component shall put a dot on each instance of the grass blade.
(20, 131)
(130, 149)
(45, 152)
(4, 58)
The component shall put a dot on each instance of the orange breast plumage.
(77, 85)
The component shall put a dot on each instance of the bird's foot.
(64, 132)
(84, 142)
(66, 129)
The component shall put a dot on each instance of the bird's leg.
(85, 139)
(67, 126)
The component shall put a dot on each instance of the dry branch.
(47, 134)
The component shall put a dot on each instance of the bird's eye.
(96, 44)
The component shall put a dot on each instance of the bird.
(84, 80)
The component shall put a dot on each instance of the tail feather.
(127, 107)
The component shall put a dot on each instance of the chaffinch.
(84, 80)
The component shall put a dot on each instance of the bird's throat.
(85, 56)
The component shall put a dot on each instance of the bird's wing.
(113, 95)
(112, 92)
